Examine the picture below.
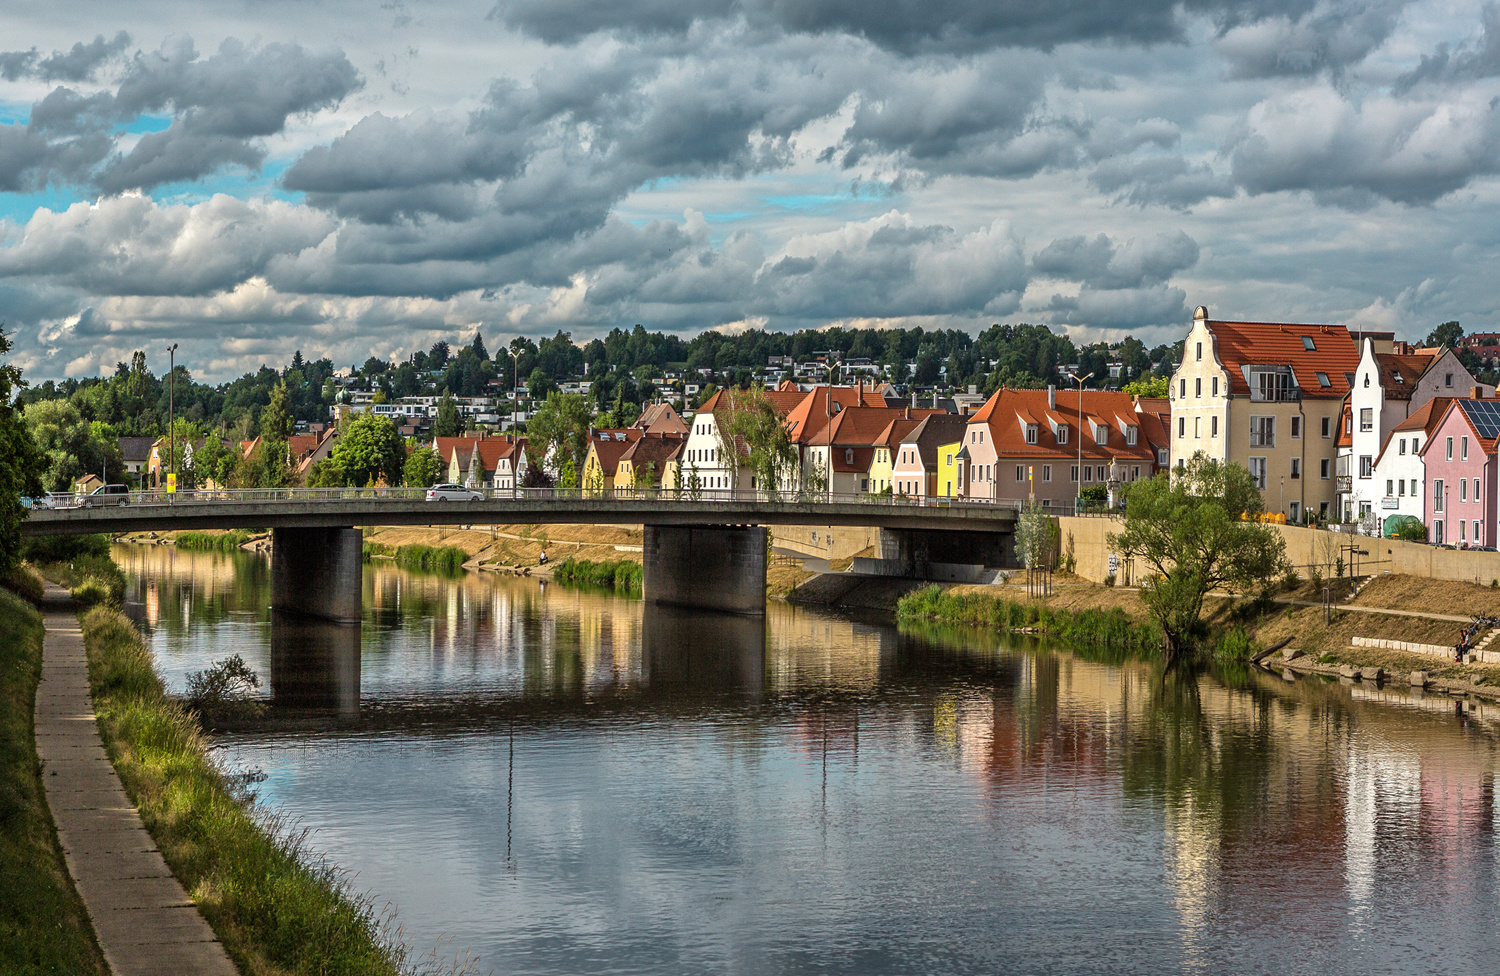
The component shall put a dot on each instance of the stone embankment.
(1296, 661)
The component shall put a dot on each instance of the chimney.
(1051, 397)
(973, 389)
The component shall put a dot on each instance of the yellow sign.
(171, 482)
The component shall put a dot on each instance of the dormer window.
(1307, 343)
(1031, 433)
(1062, 433)
(848, 455)
(1101, 434)
(1130, 434)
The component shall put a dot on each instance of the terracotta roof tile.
(1334, 354)
(1007, 435)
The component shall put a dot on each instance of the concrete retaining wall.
(936, 572)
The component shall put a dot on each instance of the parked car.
(107, 495)
(453, 493)
(45, 501)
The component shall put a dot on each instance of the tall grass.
(275, 905)
(43, 925)
(620, 575)
(1105, 630)
(432, 559)
(90, 579)
(213, 541)
(25, 582)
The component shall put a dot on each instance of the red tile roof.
(1003, 415)
(862, 426)
(1400, 373)
(1425, 418)
(1334, 354)
(812, 412)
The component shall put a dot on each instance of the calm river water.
(567, 782)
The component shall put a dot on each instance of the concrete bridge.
(707, 551)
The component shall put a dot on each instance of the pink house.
(1459, 459)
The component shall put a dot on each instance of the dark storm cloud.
(220, 107)
(905, 26)
(1101, 263)
(1169, 181)
(75, 65)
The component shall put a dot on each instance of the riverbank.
(44, 927)
(271, 902)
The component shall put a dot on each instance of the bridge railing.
(656, 495)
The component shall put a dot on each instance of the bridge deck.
(309, 508)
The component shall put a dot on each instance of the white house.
(1399, 471)
(703, 454)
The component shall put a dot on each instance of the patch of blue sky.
(146, 124)
(235, 182)
(19, 207)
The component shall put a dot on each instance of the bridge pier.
(318, 572)
(712, 567)
(314, 664)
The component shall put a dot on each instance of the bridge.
(705, 550)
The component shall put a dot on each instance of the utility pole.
(171, 431)
(1078, 493)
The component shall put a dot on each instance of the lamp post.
(171, 432)
(1078, 493)
(827, 427)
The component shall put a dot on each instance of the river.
(568, 782)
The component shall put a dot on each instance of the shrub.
(223, 688)
(63, 548)
(620, 575)
(213, 541)
(448, 560)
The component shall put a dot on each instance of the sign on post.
(171, 482)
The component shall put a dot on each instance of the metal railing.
(185, 497)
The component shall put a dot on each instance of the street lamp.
(827, 427)
(1078, 493)
(171, 432)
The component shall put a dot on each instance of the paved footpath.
(145, 922)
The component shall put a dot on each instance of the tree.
(21, 463)
(1197, 532)
(1149, 387)
(1446, 335)
(326, 474)
(276, 418)
(66, 443)
(478, 345)
(560, 428)
(752, 420)
(449, 423)
(422, 469)
(371, 449)
(1034, 538)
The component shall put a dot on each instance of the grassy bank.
(276, 908)
(43, 925)
(619, 575)
(226, 541)
(1109, 629)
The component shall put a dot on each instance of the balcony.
(1343, 484)
(1290, 395)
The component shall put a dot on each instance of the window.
(1088, 472)
(1296, 468)
(1074, 470)
(1323, 380)
(1296, 422)
(1130, 432)
(1307, 343)
(1401, 446)
(1213, 427)
(1272, 385)
(1437, 495)
(1216, 386)
(1389, 487)
(1400, 488)
(1258, 472)
(1366, 419)
(1020, 473)
(1181, 426)
(1327, 427)
(1415, 441)
(1262, 431)
(1414, 487)
(1031, 433)
(1182, 389)
(1198, 351)
(1463, 489)
(1450, 448)
(1462, 533)
(1046, 472)
(1463, 448)
(1447, 379)
(1365, 468)
(1062, 433)
(1323, 469)
(1476, 489)
(1135, 473)
(1367, 381)
(1198, 387)
(1197, 427)
(1161, 457)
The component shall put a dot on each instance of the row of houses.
(1341, 424)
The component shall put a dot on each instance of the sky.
(250, 177)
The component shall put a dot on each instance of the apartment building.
(1268, 396)
(1459, 459)
(1399, 469)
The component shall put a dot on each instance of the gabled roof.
(812, 412)
(444, 446)
(491, 450)
(609, 445)
(862, 426)
(852, 460)
(1481, 416)
(895, 430)
(932, 433)
(1400, 374)
(136, 448)
(1425, 418)
(660, 418)
(1333, 353)
(651, 449)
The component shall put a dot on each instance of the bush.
(223, 688)
(63, 548)
(1110, 630)
(213, 541)
(448, 560)
(621, 575)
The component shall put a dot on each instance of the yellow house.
(881, 462)
(948, 468)
(644, 463)
(602, 463)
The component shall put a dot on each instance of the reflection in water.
(314, 664)
(568, 782)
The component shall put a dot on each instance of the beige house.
(1268, 396)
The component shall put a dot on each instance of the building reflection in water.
(314, 664)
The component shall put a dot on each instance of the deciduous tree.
(371, 449)
(1196, 532)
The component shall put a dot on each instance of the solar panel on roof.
(1484, 414)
